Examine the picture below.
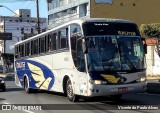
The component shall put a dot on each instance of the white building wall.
(153, 61)
(149, 60)
(156, 67)
(15, 25)
(16, 32)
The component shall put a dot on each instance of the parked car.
(2, 84)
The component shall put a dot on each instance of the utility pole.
(38, 22)
(4, 43)
(4, 46)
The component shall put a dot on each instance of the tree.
(152, 31)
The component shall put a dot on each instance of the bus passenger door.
(82, 76)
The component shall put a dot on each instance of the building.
(60, 11)
(139, 11)
(21, 25)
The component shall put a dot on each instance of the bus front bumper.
(106, 90)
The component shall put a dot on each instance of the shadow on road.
(108, 100)
(153, 88)
(1, 99)
(14, 89)
(52, 93)
(9, 78)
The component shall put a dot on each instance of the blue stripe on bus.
(23, 67)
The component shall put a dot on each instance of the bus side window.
(58, 40)
(63, 38)
(48, 42)
(27, 50)
(74, 50)
(17, 53)
(42, 44)
(53, 41)
(74, 31)
(32, 47)
(80, 57)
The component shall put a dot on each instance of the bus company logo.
(114, 78)
(20, 64)
(42, 75)
(126, 33)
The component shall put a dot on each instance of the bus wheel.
(27, 89)
(69, 90)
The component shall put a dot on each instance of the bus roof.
(80, 21)
(107, 20)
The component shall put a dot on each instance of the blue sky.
(24, 5)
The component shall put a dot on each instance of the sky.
(25, 5)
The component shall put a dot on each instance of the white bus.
(84, 57)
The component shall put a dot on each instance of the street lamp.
(4, 24)
(8, 9)
(4, 68)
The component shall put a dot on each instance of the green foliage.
(150, 30)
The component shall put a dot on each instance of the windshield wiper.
(130, 62)
(125, 56)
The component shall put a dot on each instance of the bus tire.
(26, 87)
(70, 94)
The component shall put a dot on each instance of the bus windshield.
(115, 53)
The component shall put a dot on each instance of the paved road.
(16, 95)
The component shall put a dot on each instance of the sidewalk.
(6, 74)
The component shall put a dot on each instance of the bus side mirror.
(145, 48)
(144, 45)
(84, 47)
(16, 56)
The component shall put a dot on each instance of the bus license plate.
(120, 89)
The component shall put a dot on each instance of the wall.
(140, 11)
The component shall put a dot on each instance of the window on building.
(22, 30)
(32, 31)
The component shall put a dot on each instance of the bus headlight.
(98, 82)
(2, 81)
(141, 79)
